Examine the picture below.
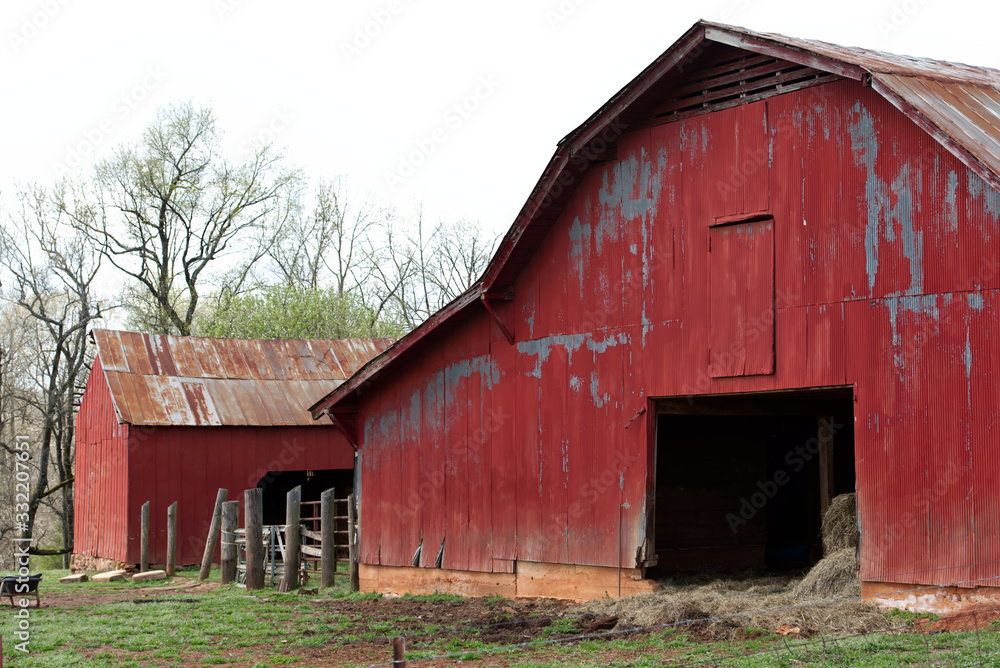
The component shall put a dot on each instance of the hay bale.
(840, 524)
(834, 576)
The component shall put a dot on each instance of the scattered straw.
(736, 606)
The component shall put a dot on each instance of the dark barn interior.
(742, 480)
(277, 484)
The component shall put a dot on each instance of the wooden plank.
(327, 537)
(352, 535)
(312, 535)
(732, 75)
(737, 102)
(144, 539)
(826, 485)
(729, 66)
(230, 520)
(756, 45)
(254, 523)
(213, 536)
(413, 580)
(312, 551)
(293, 539)
(777, 80)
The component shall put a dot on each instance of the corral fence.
(275, 541)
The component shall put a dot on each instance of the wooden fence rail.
(274, 544)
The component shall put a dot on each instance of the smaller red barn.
(167, 418)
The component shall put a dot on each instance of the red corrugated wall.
(190, 464)
(884, 277)
(101, 485)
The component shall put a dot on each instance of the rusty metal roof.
(958, 104)
(189, 381)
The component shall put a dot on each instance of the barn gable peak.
(703, 71)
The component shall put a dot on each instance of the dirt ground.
(182, 588)
(777, 606)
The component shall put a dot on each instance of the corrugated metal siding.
(190, 381)
(167, 464)
(101, 487)
(884, 278)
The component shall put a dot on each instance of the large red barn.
(168, 418)
(764, 273)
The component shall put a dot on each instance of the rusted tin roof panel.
(188, 381)
(872, 61)
(968, 113)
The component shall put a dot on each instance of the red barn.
(764, 273)
(167, 418)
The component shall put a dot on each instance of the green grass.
(227, 626)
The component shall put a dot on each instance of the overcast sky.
(477, 93)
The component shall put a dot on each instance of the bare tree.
(415, 271)
(173, 207)
(325, 246)
(53, 271)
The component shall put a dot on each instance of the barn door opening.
(742, 480)
(276, 484)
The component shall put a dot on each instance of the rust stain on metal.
(185, 381)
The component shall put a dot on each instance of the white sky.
(82, 74)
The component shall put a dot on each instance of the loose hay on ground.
(840, 524)
(835, 576)
(722, 608)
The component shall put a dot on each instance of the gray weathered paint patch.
(543, 347)
(913, 241)
(484, 365)
(951, 200)
(990, 197)
(595, 392)
(864, 145)
(975, 301)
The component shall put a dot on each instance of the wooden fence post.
(293, 539)
(213, 536)
(399, 651)
(352, 542)
(253, 509)
(327, 530)
(144, 539)
(230, 521)
(172, 539)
